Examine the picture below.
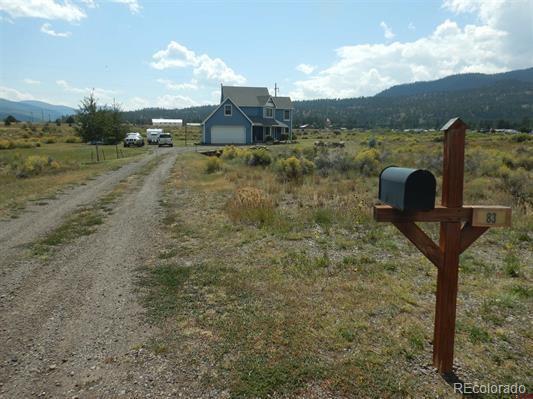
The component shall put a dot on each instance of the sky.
(175, 54)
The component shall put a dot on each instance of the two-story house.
(248, 115)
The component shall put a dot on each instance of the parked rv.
(152, 135)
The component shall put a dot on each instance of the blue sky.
(176, 54)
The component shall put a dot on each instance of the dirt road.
(73, 326)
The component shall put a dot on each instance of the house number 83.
(491, 217)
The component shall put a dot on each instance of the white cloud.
(90, 3)
(204, 67)
(305, 68)
(102, 95)
(411, 26)
(494, 45)
(135, 103)
(387, 31)
(133, 5)
(47, 28)
(14, 95)
(175, 101)
(170, 85)
(32, 81)
(45, 9)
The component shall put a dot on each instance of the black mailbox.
(407, 189)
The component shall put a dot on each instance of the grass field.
(39, 164)
(277, 282)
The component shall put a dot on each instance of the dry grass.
(322, 300)
(61, 164)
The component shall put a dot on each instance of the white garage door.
(228, 135)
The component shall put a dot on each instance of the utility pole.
(276, 89)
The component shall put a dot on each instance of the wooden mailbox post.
(460, 226)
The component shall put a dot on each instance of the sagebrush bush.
(254, 157)
(293, 169)
(518, 184)
(33, 165)
(10, 144)
(6, 145)
(367, 161)
(213, 164)
(327, 161)
(229, 152)
(258, 157)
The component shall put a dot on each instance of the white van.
(152, 135)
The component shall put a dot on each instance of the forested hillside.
(498, 102)
(460, 82)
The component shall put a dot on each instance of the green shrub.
(255, 157)
(258, 157)
(334, 160)
(6, 145)
(518, 184)
(33, 165)
(214, 164)
(367, 161)
(520, 138)
(230, 152)
(73, 139)
(293, 169)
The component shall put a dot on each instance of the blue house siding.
(253, 111)
(238, 118)
(279, 117)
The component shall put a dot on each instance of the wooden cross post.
(460, 226)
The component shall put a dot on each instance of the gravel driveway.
(73, 326)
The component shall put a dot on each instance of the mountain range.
(36, 111)
(502, 100)
(459, 82)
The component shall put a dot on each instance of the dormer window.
(286, 115)
(269, 112)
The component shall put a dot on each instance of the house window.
(286, 115)
(227, 110)
(269, 112)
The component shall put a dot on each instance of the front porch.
(265, 127)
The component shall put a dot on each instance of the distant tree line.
(506, 104)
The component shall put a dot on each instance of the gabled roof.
(246, 96)
(282, 102)
(253, 97)
(220, 105)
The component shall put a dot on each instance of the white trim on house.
(221, 104)
(289, 111)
